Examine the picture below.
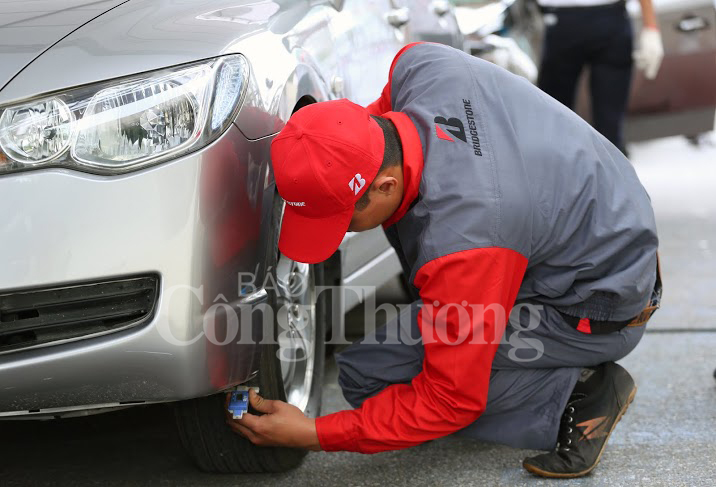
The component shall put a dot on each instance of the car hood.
(144, 35)
(27, 29)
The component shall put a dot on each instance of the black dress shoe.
(598, 402)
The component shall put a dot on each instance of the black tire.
(201, 422)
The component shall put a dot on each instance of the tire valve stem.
(239, 402)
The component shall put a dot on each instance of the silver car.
(140, 217)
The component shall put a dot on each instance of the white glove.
(650, 53)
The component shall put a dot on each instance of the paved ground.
(668, 437)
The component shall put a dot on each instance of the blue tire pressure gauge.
(239, 403)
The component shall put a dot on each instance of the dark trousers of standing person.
(599, 37)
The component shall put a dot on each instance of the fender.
(261, 117)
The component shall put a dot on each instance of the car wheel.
(290, 369)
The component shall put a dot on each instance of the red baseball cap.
(323, 161)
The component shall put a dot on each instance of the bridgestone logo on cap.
(356, 183)
(296, 203)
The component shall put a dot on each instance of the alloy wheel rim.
(296, 316)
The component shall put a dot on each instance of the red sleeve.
(382, 104)
(460, 341)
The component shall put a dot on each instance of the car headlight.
(123, 125)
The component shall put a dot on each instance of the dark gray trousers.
(533, 374)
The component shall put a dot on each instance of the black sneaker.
(598, 402)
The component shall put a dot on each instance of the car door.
(365, 43)
(366, 35)
(433, 21)
(682, 98)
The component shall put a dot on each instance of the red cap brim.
(312, 240)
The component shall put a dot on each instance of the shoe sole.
(544, 473)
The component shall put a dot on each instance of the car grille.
(33, 317)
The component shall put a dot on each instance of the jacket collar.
(412, 163)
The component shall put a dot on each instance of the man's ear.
(387, 184)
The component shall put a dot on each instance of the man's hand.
(281, 425)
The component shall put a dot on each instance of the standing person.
(597, 34)
(492, 194)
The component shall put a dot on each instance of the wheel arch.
(302, 88)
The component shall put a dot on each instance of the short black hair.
(392, 155)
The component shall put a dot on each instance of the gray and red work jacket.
(508, 196)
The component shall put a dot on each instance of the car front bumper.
(195, 222)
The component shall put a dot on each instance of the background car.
(682, 98)
(502, 32)
(141, 218)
